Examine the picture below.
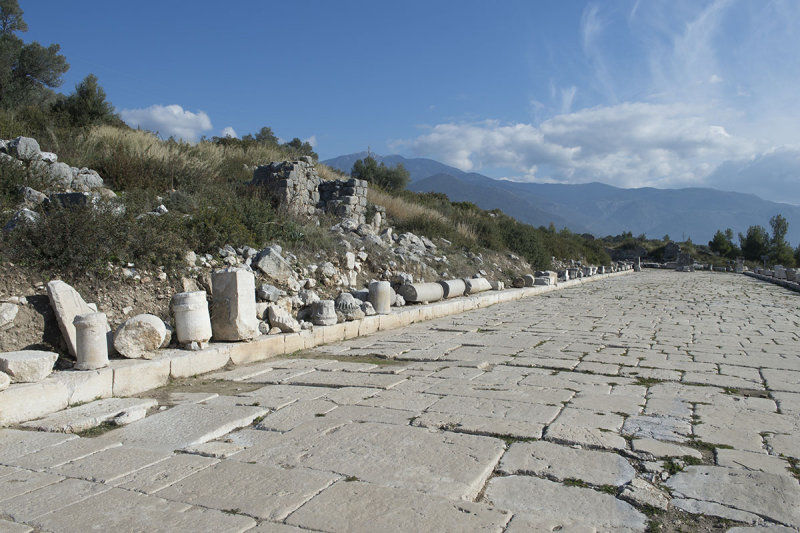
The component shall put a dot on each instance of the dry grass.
(329, 174)
(401, 210)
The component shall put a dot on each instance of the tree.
(722, 244)
(87, 105)
(389, 178)
(28, 72)
(779, 250)
(301, 148)
(755, 244)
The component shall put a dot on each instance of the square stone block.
(184, 363)
(132, 376)
(258, 349)
(25, 401)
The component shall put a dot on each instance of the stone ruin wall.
(296, 185)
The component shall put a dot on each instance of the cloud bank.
(170, 120)
(706, 96)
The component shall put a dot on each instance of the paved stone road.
(581, 410)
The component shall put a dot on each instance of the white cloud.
(773, 175)
(170, 120)
(229, 132)
(312, 141)
(628, 145)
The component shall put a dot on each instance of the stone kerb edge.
(133, 376)
(792, 286)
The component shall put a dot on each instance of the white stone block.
(185, 364)
(27, 366)
(26, 401)
(233, 305)
(132, 376)
(87, 385)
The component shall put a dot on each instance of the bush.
(77, 239)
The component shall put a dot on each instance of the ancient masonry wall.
(296, 185)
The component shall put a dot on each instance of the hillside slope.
(600, 209)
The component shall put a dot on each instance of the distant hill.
(595, 207)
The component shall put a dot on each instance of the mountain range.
(596, 208)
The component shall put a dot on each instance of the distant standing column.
(192, 321)
(380, 296)
(91, 342)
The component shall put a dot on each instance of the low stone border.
(124, 377)
(791, 285)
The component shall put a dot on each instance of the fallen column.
(453, 288)
(421, 292)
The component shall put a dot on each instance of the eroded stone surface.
(341, 508)
(546, 459)
(550, 500)
(776, 497)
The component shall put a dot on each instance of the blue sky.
(631, 92)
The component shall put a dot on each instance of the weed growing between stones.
(96, 431)
(647, 382)
(794, 467)
(351, 478)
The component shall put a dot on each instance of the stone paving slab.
(111, 464)
(92, 414)
(15, 443)
(23, 482)
(63, 453)
(28, 507)
(122, 510)
(347, 379)
(550, 500)
(341, 509)
(546, 459)
(186, 425)
(256, 490)
(771, 496)
(447, 464)
(164, 473)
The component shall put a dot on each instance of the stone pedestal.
(323, 313)
(233, 305)
(380, 296)
(192, 320)
(91, 341)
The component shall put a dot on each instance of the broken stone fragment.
(67, 304)
(140, 335)
(60, 176)
(270, 262)
(269, 293)
(24, 148)
(5, 381)
(8, 312)
(281, 319)
(32, 198)
(640, 492)
(23, 216)
(27, 366)
(348, 307)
